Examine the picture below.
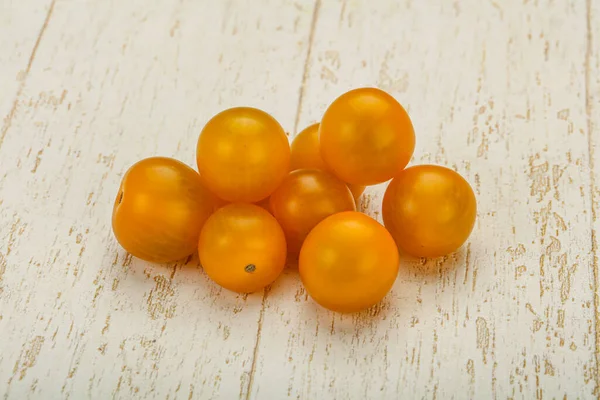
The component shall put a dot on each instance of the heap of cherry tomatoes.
(257, 201)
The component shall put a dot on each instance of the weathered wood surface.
(508, 93)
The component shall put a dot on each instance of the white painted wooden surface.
(507, 92)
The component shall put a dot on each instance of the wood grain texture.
(113, 82)
(507, 93)
(497, 91)
(592, 77)
(22, 26)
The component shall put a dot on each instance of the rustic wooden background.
(506, 92)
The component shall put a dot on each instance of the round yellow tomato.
(243, 155)
(305, 198)
(242, 248)
(366, 137)
(306, 153)
(160, 209)
(348, 262)
(430, 210)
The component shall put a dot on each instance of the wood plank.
(497, 91)
(22, 26)
(113, 82)
(592, 77)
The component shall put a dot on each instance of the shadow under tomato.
(146, 269)
(170, 269)
(349, 323)
(291, 261)
(190, 262)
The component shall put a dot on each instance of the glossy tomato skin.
(348, 262)
(306, 154)
(160, 209)
(306, 150)
(430, 210)
(305, 198)
(242, 248)
(366, 137)
(243, 155)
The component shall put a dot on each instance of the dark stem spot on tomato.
(120, 197)
(250, 268)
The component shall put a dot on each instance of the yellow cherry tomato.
(430, 210)
(242, 248)
(243, 155)
(160, 209)
(348, 262)
(366, 137)
(306, 153)
(305, 198)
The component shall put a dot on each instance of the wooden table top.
(505, 92)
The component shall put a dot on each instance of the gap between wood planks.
(13, 110)
(311, 37)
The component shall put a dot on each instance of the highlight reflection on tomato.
(242, 248)
(160, 209)
(366, 137)
(306, 153)
(243, 155)
(305, 198)
(348, 262)
(430, 210)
